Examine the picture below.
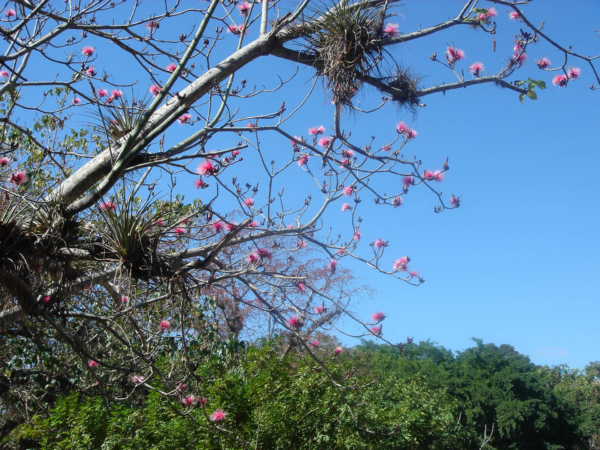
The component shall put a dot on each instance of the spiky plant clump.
(406, 87)
(131, 235)
(121, 117)
(346, 40)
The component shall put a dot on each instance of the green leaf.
(521, 98)
(532, 95)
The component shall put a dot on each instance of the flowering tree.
(112, 287)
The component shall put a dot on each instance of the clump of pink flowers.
(184, 119)
(217, 226)
(302, 161)
(18, 177)
(397, 202)
(333, 265)
(560, 80)
(164, 325)
(348, 191)
(102, 93)
(543, 63)
(4, 162)
(108, 206)
(379, 243)
(573, 72)
(315, 343)
(316, 130)
(325, 141)
(207, 168)
(391, 29)
(88, 51)
(155, 90)
(401, 264)
(10, 13)
(378, 316)
(319, 309)
(455, 201)
(453, 55)
(433, 176)
(407, 181)
(338, 351)
(237, 30)
(152, 25)
(249, 202)
(179, 231)
(258, 255)
(295, 322)
(356, 236)
(218, 416)
(244, 8)
(376, 331)
(4, 75)
(346, 207)
(92, 363)
(513, 15)
(476, 69)
(124, 299)
(404, 130)
(137, 380)
(171, 67)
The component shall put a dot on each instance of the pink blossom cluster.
(401, 264)
(391, 30)
(237, 30)
(207, 168)
(476, 69)
(433, 176)
(260, 254)
(18, 178)
(404, 130)
(316, 130)
(453, 55)
(486, 16)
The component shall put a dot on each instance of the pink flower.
(218, 416)
(18, 177)
(199, 183)
(319, 309)
(294, 143)
(217, 226)
(108, 206)
(249, 202)
(414, 274)
(179, 231)
(264, 253)
(301, 287)
(315, 343)
(513, 15)
(338, 351)
(543, 63)
(184, 119)
(116, 93)
(102, 93)
(301, 244)
(476, 68)
(453, 55)
(109, 100)
(88, 51)
(333, 265)
(4, 75)
(560, 80)
(237, 30)
(10, 13)
(290, 226)
(378, 316)
(316, 130)
(244, 8)
(407, 181)
(349, 191)
(520, 58)
(137, 380)
(92, 363)
(347, 153)
(438, 176)
(182, 388)
(206, 168)
(491, 12)
(235, 153)
(190, 400)
(171, 67)
(303, 161)
(433, 176)
(386, 148)
(76, 101)
(411, 135)
(295, 322)
(253, 224)
(124, 299)
(356, 236)
(251, 125)
(46, 298)
(402, 128)
(397, 202)
(91, 71)
(454, 201)
(379, 243)
(341, 252)
(391, 29)
(152, 25)
(231, 226)
(164, 325)
(202, 401)
(574, 72)
(252, 257)
(325, 141)
(155, 90)
(401, 263)
(376, 331)
(4, 162)
(346, 207)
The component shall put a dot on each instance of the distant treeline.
(427, 398)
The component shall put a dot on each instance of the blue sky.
(518, 262)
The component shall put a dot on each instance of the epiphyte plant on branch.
(124, 288)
